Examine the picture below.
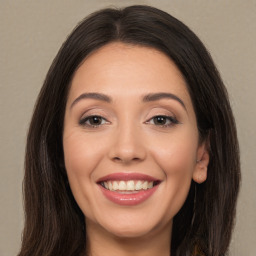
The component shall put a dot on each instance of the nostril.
(122, 153)
(119, 159)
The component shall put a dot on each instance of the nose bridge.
(128, 142)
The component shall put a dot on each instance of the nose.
(128, 145)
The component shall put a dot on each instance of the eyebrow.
(162, 95)
(92, 95)
(146, 98)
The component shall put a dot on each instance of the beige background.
(31, 32)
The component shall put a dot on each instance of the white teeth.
(150, 184)
(110, 185)
(129, 185)
(138, 185)
(122, 185)
(115, 185)
(106, 185)
(145, 185)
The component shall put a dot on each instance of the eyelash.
(88, 118)
(172, 121)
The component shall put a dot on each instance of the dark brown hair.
(54, 224)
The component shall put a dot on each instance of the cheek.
(81, 158)
(178, 163)
(176, 158)
(81, 155)
(176, 154)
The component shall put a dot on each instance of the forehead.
(124, 70)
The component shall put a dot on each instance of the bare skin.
(103, 244)
(122, 128)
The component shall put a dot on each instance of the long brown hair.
(54, 224)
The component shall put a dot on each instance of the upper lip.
(127, 176)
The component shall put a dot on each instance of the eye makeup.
(159, 116)
(93, 121)
(163, 120)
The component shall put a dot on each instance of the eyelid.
(84, 119)
(94, 111)
(162, 110)
(172, 119)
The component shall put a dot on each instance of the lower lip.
(128, 199)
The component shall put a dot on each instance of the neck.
(101, 242)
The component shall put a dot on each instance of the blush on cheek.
(79, 156)
(177, 165)
(177, 159)
(178, 183)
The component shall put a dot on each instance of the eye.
(93, 121)
(163, 120)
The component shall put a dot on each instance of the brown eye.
(163, 120)
(93, 121)
(160, 120)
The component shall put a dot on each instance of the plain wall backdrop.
(31, 32)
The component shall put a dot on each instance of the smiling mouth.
(128, 189)
(129, 186)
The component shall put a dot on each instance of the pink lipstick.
(128, 188)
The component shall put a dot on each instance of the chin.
(132, 227)
(130, 231)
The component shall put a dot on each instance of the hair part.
(54, 224)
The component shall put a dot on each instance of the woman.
(132, 148)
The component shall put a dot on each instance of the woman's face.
(130, 140)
